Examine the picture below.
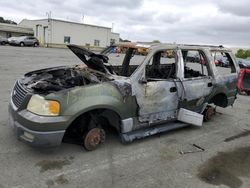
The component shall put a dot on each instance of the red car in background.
(243, 84)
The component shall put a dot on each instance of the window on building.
(112, 41)
(8, 35)
(66, 39)
(37, 28)
(87, 45)
(97, 43)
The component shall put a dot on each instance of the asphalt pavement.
(152, 162)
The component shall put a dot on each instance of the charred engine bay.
(55, 79)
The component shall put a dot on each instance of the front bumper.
(38, 139)
(41, 134)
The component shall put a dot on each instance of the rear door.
(197, 80)
(29, 41)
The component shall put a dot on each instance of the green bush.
(243, 53)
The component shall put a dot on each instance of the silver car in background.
(24, 41)
(3, 40)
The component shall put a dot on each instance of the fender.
(100, 96)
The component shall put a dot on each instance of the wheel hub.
(209, 113)
(94, 138)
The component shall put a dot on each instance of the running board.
(142, 133)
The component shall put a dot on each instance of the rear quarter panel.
(224, 83)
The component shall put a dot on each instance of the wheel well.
(105, 117)
(219, 100)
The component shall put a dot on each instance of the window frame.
(206, 64)
(112, 41)
(97, 41)
(232, 66)
(148, 79)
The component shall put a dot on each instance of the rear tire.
(35, 44)
(21, 44)
(3, 43)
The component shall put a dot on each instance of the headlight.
(38, 105)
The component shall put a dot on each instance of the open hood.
(50, 80)
(92, 60)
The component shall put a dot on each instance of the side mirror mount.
(143, 81)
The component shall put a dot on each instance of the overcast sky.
(180, 21)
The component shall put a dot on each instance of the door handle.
(210, 84)
(172, 89)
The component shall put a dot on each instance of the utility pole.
(112, 27)
(49, 37)
(82, 17)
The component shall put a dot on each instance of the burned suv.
(139, 97)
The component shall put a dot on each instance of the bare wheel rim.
(94, 138)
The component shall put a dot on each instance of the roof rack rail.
(219, 46)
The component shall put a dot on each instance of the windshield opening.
(125, 60)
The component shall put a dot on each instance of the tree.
(2, 20)
(156, 41)
(243, 53)
(240, 53)
(124, 40)
(247, 53)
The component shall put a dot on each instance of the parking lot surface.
(153, 162)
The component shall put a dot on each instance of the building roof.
(15, 28)
(71, 22)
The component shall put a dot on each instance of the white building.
(53, 32)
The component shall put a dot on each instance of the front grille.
(18, 94)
